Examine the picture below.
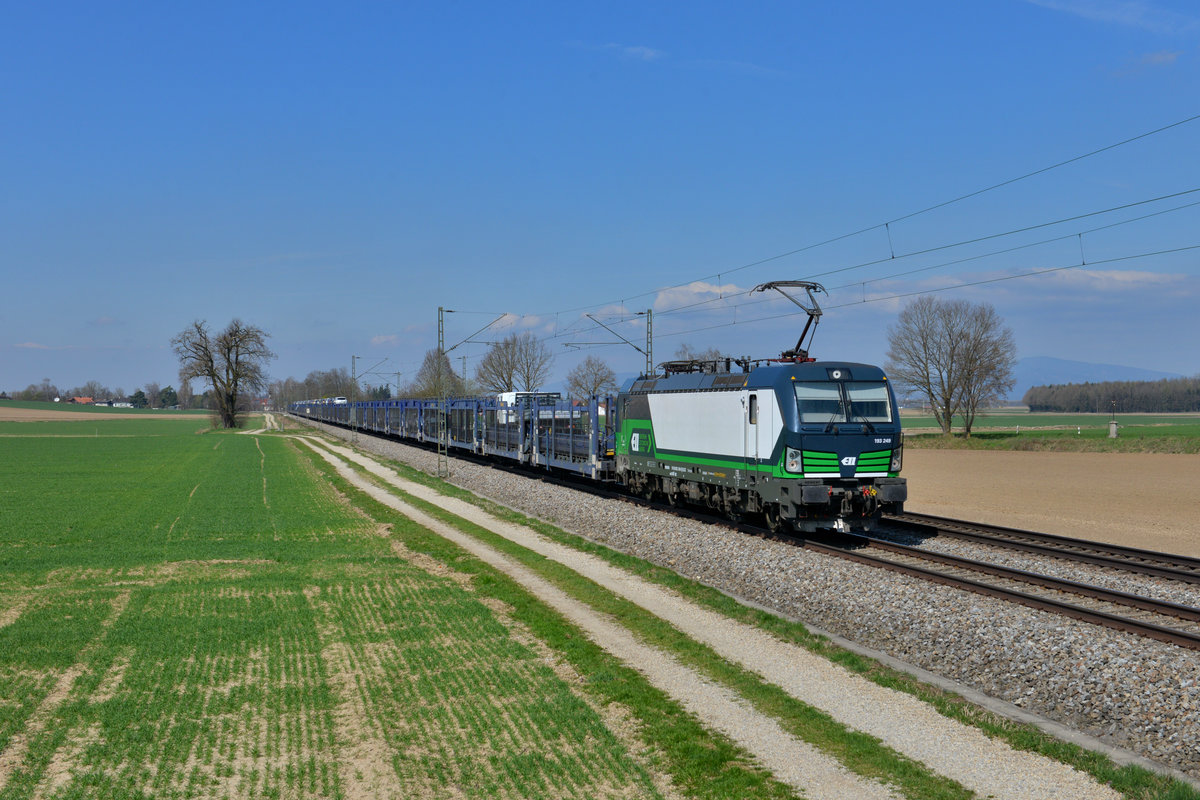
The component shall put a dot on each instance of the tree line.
(1165, 396)
(152, 395)
(518, 363)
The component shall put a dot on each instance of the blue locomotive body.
(807, 444)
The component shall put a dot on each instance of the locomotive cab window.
(820, 403)
(869, 401)
(830, 402)
(753, 409)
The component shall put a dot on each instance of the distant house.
(83, 401)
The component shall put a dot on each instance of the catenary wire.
(695, 307)
(901, 218)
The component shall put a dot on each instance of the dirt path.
(905, 724)
(1148, 500)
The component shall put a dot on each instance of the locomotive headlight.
(897, 459)
(793, 462)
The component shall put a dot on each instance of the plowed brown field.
(1148, 500)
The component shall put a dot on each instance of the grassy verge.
(862, 754)
(1081, 433)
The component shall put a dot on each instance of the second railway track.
(1168, 622)
(1128, 559)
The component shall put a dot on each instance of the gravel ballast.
(1130, 692)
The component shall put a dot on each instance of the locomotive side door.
(751, 438)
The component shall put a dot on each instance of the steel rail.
(1149, 630)
(1129, 559)
(1163, 607)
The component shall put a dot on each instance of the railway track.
(1143, 616)
(1128, 559)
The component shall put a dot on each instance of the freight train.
(804, 444)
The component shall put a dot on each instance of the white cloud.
(1112, 280)
(695, 294)
(389, 338)
(33, 346)
(1049, 289)
(1161, 57)
(612, 310)
(1130, 13)
(511, 323)
(635, 52)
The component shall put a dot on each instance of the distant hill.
(1046, 371)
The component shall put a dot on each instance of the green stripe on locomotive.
(813, 463)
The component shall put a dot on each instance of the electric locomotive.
(807, 444)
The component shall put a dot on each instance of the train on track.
(806, 444)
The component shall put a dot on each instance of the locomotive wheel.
(773, 517)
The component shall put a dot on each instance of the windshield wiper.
(866, 422)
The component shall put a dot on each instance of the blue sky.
(334, 173)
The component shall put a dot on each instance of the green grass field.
(38, 405)
(1150, 433)
(187, 615)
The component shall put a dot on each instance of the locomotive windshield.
(852, 401)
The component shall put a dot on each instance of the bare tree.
(518, 362)
(687, 352)
(497, 372)
(185, 394)
(592, 376)
(152, 391)
(955, 354)
(94, 390)
(988, 356)
(233, 362)
(286, 391)
(533, 363)
(436, 377)
(46, 390)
